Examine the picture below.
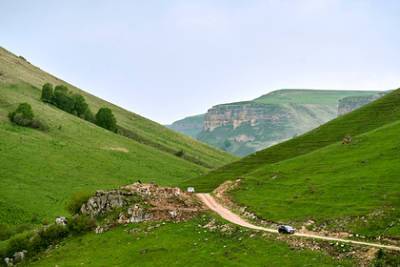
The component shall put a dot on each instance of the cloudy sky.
(169, 59)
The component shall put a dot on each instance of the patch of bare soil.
(119, 149)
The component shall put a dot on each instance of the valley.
(337, 183)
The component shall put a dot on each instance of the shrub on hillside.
(23, 116)
(77, 200)
(180, 153)
(62, 99)
(80, 224)
(105, 118)
(89, 116)
(47, 93)
(80, 105)
(47, 236)
(17, 243)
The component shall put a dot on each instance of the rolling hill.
(41, 170)
(370, 117)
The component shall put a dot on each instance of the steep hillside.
(372, 116)
(245, 127)
(352, 187)
(190, 126)
(15, 69)
(42, 169)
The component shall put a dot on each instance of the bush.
(81, 223)
(23, 115)
(48, 236)
(106, 119)
(80, 105)
(180, 153)
(89, 116)
(47, 93)
(62, 99)
(77, 200)
(18, 243)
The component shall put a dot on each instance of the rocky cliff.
(245, 127)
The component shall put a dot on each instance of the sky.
(170, 59)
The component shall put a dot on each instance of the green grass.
(339, 182)
(14, 70)
(372, 116)
(41, 170)
(306, 96)
(183, 244)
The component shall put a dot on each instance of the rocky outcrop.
(350, 103)
(142, 202)
(243, 128)
(236, 114)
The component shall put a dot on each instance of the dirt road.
(228, 215)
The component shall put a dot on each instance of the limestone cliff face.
(236, 114)
(351, 103)
(242, 128)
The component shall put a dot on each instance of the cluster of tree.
(76, 104)
(24, 116)
(65, 100)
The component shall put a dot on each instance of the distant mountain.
(242, 128)
(191, 126)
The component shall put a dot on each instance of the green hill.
(352, 187)
(16, 70)
(190, 126)
(245, 127)
(349, 185)
(41, 170)
(372, 116)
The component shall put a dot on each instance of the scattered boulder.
(16, 258)
(347, 140)
(61, 221)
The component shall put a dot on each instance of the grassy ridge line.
(374, 115)
(14, 70)
(307, 96)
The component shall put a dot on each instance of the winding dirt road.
(228, 215)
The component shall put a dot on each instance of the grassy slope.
(40, 170)
(190, 126)
(15, 70)
(305, 96)
(374, 115)
(183, 244)
(339, 181)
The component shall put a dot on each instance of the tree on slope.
(106, 119)
(62, 99)
(80, 105)
(47, 93)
